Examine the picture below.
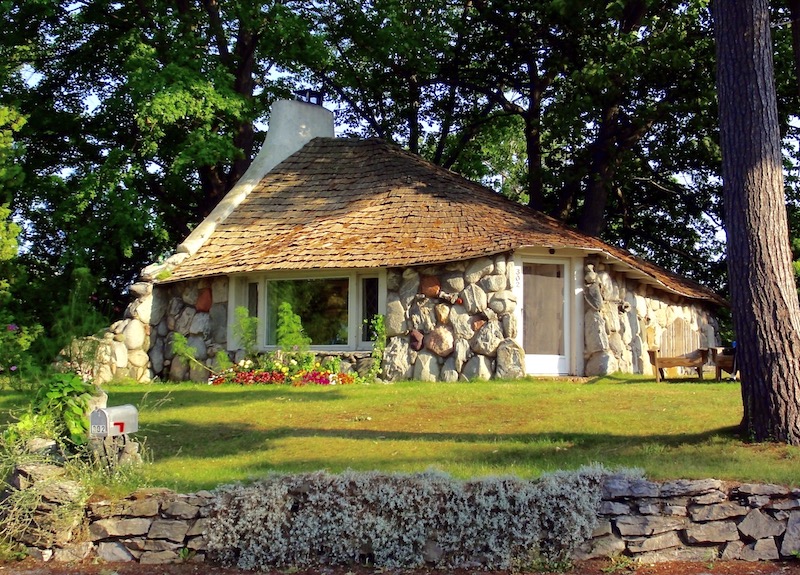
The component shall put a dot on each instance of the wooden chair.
(724, 362)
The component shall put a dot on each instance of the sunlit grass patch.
(201, 436)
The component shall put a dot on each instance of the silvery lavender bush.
(403, 521)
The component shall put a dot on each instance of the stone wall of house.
(452, 322)
(700, 520)
(197, 310)
(623, 318)
(140, 345)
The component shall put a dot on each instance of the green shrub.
(58, 414)
(377, 328)
(22, 518)
(289, 332)
(74, 321)
(245, 331)
(404, 521)
(65, 397)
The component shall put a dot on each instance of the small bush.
(403, 521)
(65, 396)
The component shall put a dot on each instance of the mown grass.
(201, 436)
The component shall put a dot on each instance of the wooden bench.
(696, 359)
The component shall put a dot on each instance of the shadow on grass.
(183, 396)
(197, 440)
(369, 449)
(628, 379)
(12, 403)
(619, 378)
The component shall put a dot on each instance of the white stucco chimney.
(292, 124)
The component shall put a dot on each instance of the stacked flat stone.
(153, 526)
(686, 520)
(695, 521)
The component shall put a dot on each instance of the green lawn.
(201, 436)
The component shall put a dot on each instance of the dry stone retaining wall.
(697, 520)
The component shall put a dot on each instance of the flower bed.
(273, 373)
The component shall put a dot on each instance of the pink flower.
(13, 368)
(12, 327)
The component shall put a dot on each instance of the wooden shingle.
(346, 203)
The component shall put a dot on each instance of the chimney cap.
(309, 96)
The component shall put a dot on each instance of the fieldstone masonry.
(450, 322)
(695, 521)
(453, 322)
(621, 316)
(150, 527)
(699, 520)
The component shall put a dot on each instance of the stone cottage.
(471, 285)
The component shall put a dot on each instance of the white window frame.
(238, 296)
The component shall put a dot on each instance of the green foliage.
(15, 437)
(245, 331)
(23, 517)
(182, 349)
(15, 339)
(11, 173)
(223, 361)
(14, 343)
(618, 563)
(75, 320)
(133, 132)
(8, 238)
(186, 554)
(111, 481)
(65, 397)
(289, 332)
(377, 327)
(602, 116)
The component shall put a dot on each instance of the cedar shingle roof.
(345, 203)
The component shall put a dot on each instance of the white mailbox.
(113, 421)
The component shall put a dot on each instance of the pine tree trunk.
(766, 312)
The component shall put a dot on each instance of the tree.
(15, 339)
(766, 312)
(600, 115)
(139, 118)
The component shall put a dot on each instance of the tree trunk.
(533, 147)
(601, 172)
(766, 312)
